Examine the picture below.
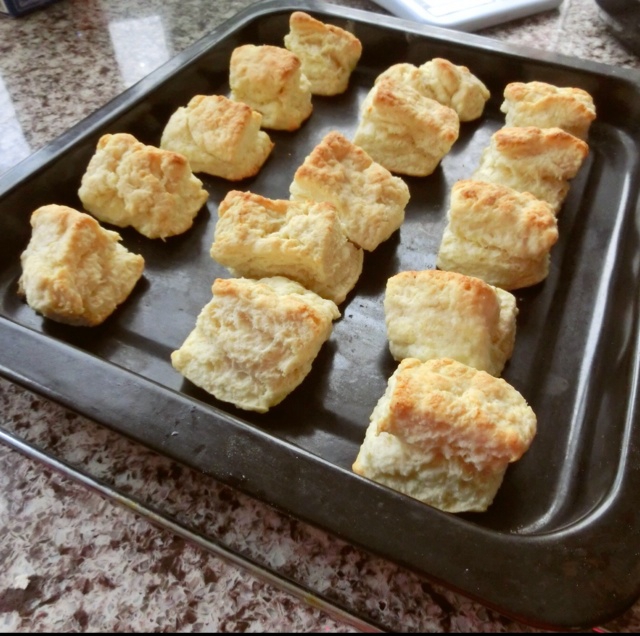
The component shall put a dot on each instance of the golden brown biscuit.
(270, 80)
(449, 84)
(531, 159)
(73, 270)
(219, 137)
(369, 200)
(435, 314)
(404, 131)
(445, 433)
(128, 183)
(255, 341)
(498, 234)
(547, 106)
(305, 241)
(328, 53)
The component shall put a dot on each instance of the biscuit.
(547, 106)
(532, 159)
(498, 234)
(219, 137)
(73, 270)
(270, 80)
(404, 131)
(128, 183)
(255, 341)
(449, 84)
(328, 53)
(369, 200)
(445, 433)
(435, 314)
(305, 241)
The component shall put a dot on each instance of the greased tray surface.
(560, 545)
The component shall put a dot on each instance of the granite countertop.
(75, 560)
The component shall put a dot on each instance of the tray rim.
(14, 365)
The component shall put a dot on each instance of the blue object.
(20, 7)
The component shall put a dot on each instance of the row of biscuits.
(440, 431)
(502, 222)
(293, 261)
(426, 447)
(446, 428)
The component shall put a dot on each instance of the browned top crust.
(445, 405)
(328, 53)
(270, 80)
(73, 270)
(369, 200)
(548, 106)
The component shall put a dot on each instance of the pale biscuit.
(445, 433)
(369, 200)
(305, 241)
(73, 270)
(498, 234)
(548, 106)
(435, 314)
(541, 161)
(128, 183)
(270, 80)
(219, 137)
(404, 131)
(449, 84)
(328, 53)
(255, 341)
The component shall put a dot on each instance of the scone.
(128, 183)
(547, 106)
(541, 161)
(219, 137)
(498, 234)
(451, 85)
(369, 200)
(404, 131)
(73, 270)
(434, 314)
(255, 341)
(305, 241)
(328, 53)
(270, 80)
(445, 433)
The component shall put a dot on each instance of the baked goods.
(255, 341)
(305, 241)
(73, 270)
(533, 159)
(369, 200)
(219, 137)
(404, 131)
(328, 53)
(270, 80)
(444, 433)
(128, 183)
(498, 234)
(547, 106)
(434, 314)
(451, 85)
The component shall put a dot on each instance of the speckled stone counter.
(76, 560)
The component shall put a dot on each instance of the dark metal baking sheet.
(560, 545)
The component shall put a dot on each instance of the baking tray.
(559, 547)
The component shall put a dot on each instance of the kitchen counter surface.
(75, 560)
